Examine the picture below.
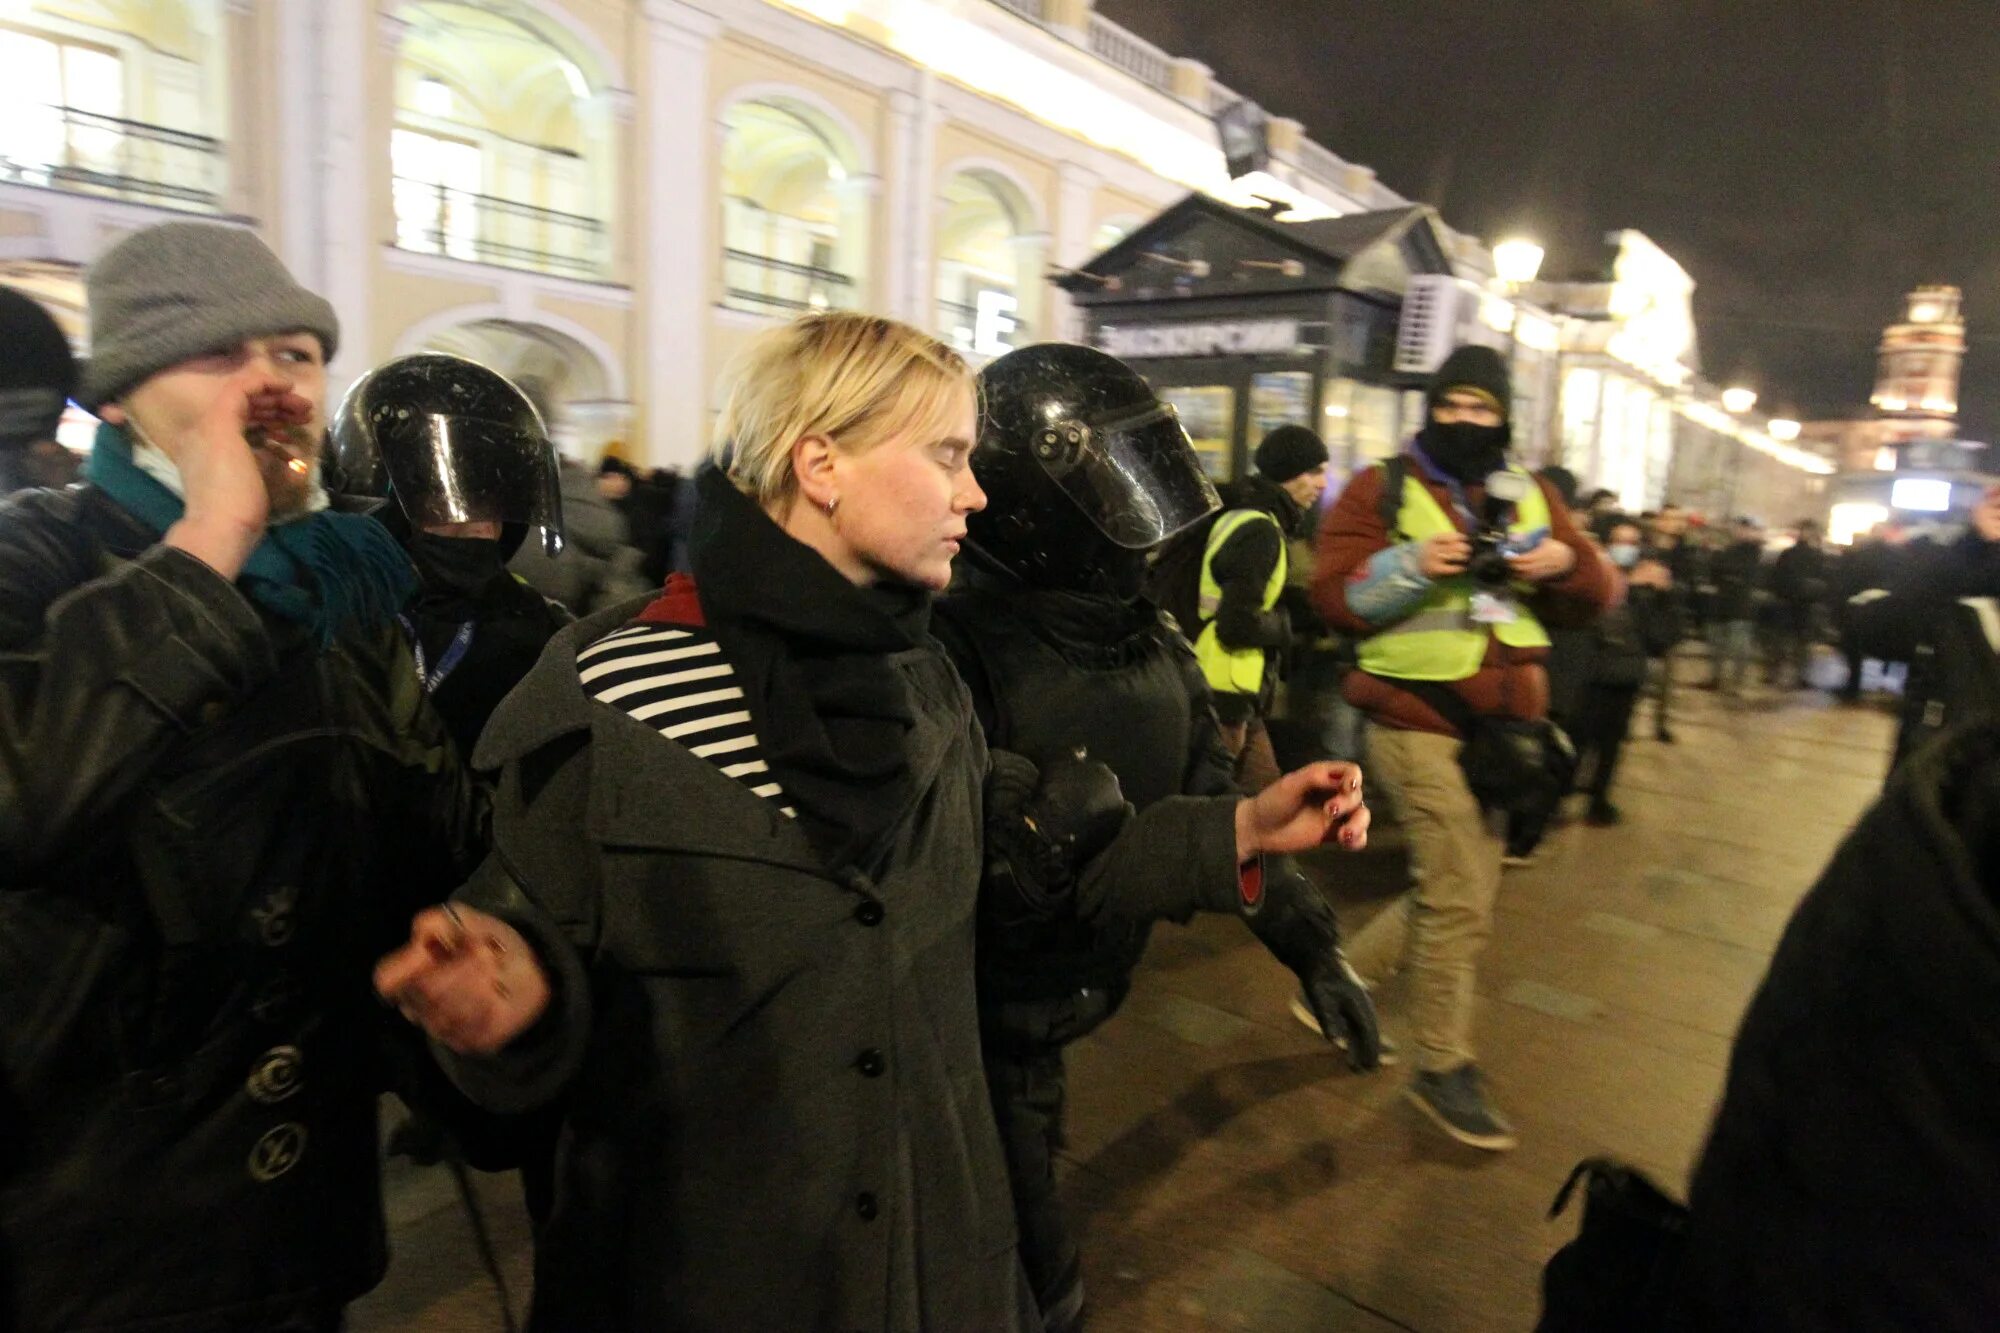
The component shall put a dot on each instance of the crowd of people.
(735, 855)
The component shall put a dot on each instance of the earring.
(832, 505)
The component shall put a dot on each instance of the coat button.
(871, 1064)
(870, 913)
(864, 1205)
(277, 917)
(277, 1152)
(278, 1073)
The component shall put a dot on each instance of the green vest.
(1439, 641)
(1240, 670)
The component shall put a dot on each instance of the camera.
(1487, 564)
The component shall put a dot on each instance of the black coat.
(1852, 1179)
(776, 1116)
(510, 623)
(210, 829)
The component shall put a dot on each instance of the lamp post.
(1516, 261)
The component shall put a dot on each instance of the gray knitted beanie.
(182, 289)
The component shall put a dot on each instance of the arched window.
(989, 270)
(502, 147)
(126, 102)
(566, 381)
(794, 215)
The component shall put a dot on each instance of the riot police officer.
(1086, 472)
(464, 455)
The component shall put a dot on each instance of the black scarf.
(811, 651)
(1467, 452)
(1092, 630)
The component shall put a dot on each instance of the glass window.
(50, 105)
(1208, 414)
(1374, 424)
(1279, 398)
(792, 224)
(989, 266)
(436, 187)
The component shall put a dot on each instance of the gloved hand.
(1346, 1012)
(1299, 929)
(1043, 825)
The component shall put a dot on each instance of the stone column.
(679, 236)
(912, 221)
(1076, 210)
(247, 130)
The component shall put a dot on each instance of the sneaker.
(1515, 860)
(1457, 1102)
(1391, 1053)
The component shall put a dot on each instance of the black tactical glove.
(1298, 928)
(1043, 825)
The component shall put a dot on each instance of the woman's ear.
(112, 413)
(813, 459)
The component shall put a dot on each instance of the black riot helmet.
(1085, 471)
(452, 442)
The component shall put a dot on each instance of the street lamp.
(1517, 261)
(1784, 430)
(1739, 400)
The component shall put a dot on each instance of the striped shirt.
(674, 678)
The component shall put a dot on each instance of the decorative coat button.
(870, 913)
(864, 1205)
(277, 918)
(871, 1064)
(277, 1152)
(278, 1073)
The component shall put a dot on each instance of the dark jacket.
(1800, 575)
(1852, 1178)
(1739, 576)
(509, 625)
(1509, 681)
(776, 1116)
(210, 829)
(1242, 568)
(1052, 671)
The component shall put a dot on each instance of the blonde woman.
(729, 915)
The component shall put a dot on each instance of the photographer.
(1450, 563)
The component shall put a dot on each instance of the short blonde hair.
(856, 379)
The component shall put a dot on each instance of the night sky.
(1807, 161)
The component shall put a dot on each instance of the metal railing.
(1122, 50)
(88, 153)
(1325, 165)
(1027, 9)
(439, 220)
(762, 285)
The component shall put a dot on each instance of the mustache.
(292, 443)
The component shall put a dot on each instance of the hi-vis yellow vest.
(1439, 641)
(1241, 670)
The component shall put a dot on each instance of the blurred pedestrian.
(1799, 589)
(37, 376)
(220, 799)
(1739, 593)
(598, 566)
(1630, 638)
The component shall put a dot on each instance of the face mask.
(1624, 555)
(1466, 451)
(460, 565)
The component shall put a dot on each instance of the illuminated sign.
(1919, 493)
(1236, 337)
(992, 321)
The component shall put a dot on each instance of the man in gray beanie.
(222, 796)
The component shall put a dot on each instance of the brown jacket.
(1510, 681)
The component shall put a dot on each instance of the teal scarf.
(327, 571)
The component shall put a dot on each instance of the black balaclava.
(1461, 449)
(454, 568)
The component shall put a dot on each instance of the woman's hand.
(466, 978)
(1303, 809)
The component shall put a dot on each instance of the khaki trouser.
(1256, 763)
(1442, 923)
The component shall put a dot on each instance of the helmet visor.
(466, 470)
(1135, 476)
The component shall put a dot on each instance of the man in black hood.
(37, 377)
(1247, 623)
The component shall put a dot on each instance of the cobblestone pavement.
(1231, 1174)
